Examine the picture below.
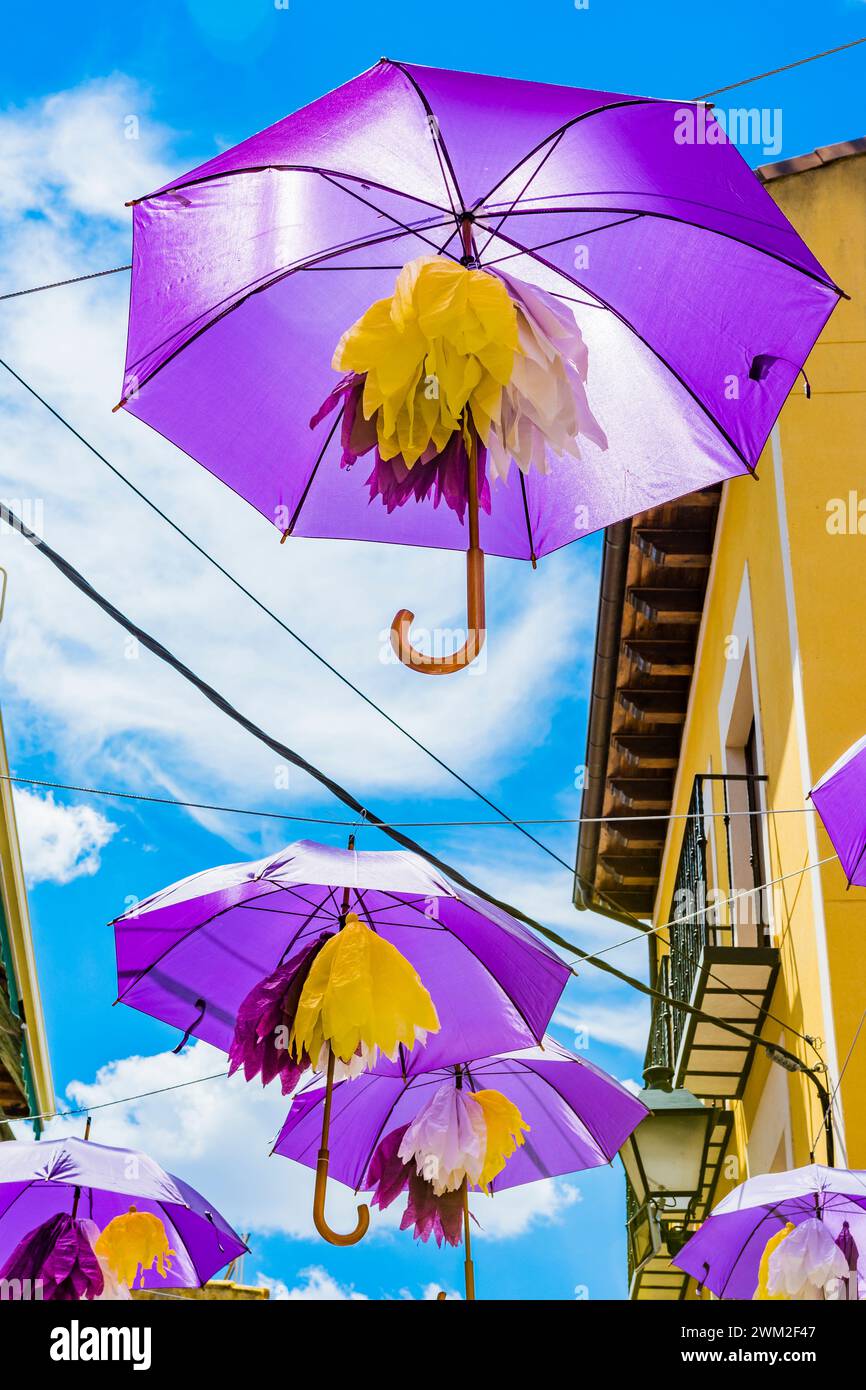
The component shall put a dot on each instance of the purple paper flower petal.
(265, 1019)
(59, 1254)
(388, 1175)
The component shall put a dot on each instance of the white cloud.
(58, 842)
(519, 1209)
(318, 1285)
(81, 152)
(621, 1022)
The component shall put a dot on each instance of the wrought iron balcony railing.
(718, 897)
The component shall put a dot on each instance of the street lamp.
(664, 1161)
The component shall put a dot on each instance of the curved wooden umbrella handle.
(475, 619)
(465, 655)
(321, 1224)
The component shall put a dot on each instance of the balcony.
(721, 962)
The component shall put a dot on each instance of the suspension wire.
(831, 1102)
(404, 824)
(359, 821)
(702, 912)
(726, 902)
(106, 1104)
(356, 690)
(759, 77)
(348, 799)
(58, 284)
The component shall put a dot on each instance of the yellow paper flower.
(138, 1238)
(505, 1127)
(361, 997)
(444, 343)
(762, 1293)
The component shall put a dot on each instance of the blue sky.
(80, 706)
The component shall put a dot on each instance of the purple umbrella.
(578, 1117)
(840, 800)
(219, 955)
(70, 1181)
(725, 1254)
(673, 272)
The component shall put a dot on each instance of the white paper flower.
(447, 1140)
(544, 404)
(805, 1262)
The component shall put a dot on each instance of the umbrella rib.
(766, 1217)
(532, 555)
(286, 169)
(558, 241)
(308, 901)
(557, 135)
(681, 221)
(401, 902)
(275, 279)
(856, 865)
(375, 1144)
(31, 1182)
(631, 328)
(374, 207)
(595, 1138)
(536, 171)
(313, 471)
(436, 132)
(486, 970)
(192, 932)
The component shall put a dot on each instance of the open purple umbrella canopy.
(579, 1117)
(840, 800)
(725, 1254)
(698, 301)
(41, 1180)
(695, 298)
(190, 955)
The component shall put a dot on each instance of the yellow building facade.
(26, 1086)
(730, 673)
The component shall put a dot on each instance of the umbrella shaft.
(468, 1267)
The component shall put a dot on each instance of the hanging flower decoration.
(458, 366)
(59, 1254)
(504, 1125)
(265, 1022)
(456, 1138)
(429, 1214)
(361, 997)
(762, 1293)
(136, 1240)
(804, 1262)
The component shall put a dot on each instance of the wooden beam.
(660, 656)
(643, 793)
(647, 750)
(674, 547)
(655, 706)
(667, 605)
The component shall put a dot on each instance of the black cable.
(404, 824)
(348, 799)
(452, 772)
(427, 825)
(759, 77)
(58, 284)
